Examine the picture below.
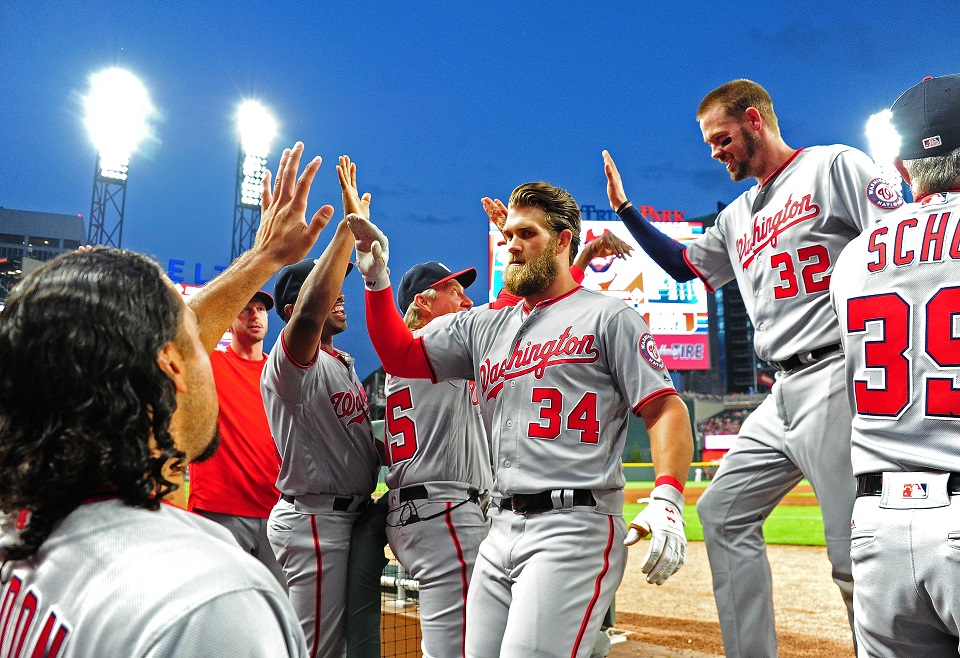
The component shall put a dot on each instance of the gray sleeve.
(286, 379)
(240, 624)
(709, 258)
(448, 346)
(634, 360)
(860, 191)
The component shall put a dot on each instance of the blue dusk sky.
(439, 104)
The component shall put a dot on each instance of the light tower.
(884, 147)
(257, 130)
(116, 113)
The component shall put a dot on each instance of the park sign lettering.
(592, 212)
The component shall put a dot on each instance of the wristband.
(622, 206)
(669, 479)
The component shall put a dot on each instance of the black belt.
(806, 358)
(871, 484)
(340, 503)
(543, 501)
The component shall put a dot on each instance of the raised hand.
(373, 252)
(496, 211)
(352, 201)
(284, 234)
(615, 192)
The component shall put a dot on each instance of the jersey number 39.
(889, 353)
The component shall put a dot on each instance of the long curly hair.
(84, 407)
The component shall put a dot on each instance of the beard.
(535, 275)
(751, 144)
(211, 448)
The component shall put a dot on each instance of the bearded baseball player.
(557, 376)
(440, 474)
(780, 240)
(114, 394)
(317, 411)
(896, 290)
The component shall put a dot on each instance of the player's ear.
(171, 363)
(753, 118)
(898, 163)
(564, 238)
(422, 302)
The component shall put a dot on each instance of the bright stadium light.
(117, 112)
(257, 129)
(884, 146)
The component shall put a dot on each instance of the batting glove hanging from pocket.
(662, 520)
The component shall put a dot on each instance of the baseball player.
(237, 486)
(780, 240)
(556, 377)
(114, 392)
(317, 411)
(440, 474)
(896, 290)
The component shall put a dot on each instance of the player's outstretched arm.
(664, 250)
(400, 353)
(284, 237)
(671, 445)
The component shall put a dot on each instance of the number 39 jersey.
(896, 291)
(434, 432)
(556, 385)
(780, 241)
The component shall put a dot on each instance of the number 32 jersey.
(780, 241)
(556, 385)
(896, 291)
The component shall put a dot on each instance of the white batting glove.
(372, 252)
(662, 520)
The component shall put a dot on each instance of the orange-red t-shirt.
(240, 479)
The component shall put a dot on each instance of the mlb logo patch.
(914, 490)
(932, 142)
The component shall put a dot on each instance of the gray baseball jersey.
(435, 432)
(319, 420)
(435, 438)
(896, 290)
(782, 253)
(781, 240)
(114, 580)
(556, 384)
(318, 416)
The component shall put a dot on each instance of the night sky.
(438, 103)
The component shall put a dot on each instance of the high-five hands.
(373, 252)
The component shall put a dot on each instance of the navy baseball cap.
(290, 280)
(264, 297)
(429, 275)
(927, 118)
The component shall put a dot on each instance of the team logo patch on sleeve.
(649, 351)
(883, 195)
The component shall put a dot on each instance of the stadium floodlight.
(117, 113)
(884, 146)
(257, 129)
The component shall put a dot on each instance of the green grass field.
(787, 524)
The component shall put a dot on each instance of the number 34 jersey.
(896, 291)
(780, 241)
(556, 385)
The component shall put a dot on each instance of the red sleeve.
(576, 273)
(401, 354)
(505, 299)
